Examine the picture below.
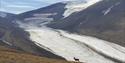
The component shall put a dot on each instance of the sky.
(20, 6)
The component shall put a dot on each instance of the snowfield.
(87, 49)
(76, 6)
(65, 47)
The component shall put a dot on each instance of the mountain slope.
(100, 20)
(13, 56)
(15, 37)
(56, 9)
(54, 12)
(6, 15)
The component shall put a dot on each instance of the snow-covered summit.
(76, 6)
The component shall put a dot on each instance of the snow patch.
(76, 6)
(6, 42)
(105, 12)
(3, 14)
(108, 10)
(118, 3)
(40, 19)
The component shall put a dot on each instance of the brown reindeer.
(76, 59)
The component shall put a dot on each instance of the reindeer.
(76, 59)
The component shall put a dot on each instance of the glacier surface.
(88, 49)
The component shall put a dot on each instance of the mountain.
(5, 23)
(6, 18)
(91, 30)
(66, 36)
(100, 20)
(15, 37)
(54, 12)
(50, 10)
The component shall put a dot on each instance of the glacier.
(68, 45)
